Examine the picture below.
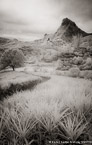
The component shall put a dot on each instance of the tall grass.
(13, 88)
(59, 109)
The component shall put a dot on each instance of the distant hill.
(6, 43)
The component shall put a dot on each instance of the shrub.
(87, 64)
(77, 60)
(12, 58)
(89, 61)
(86, 74)
(74, 72)
(59, 64)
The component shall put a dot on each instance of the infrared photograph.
(45, 72)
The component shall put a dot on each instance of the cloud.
(43, 16)
(79, 11)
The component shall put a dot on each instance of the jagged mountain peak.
(67, 21)
(68, 29)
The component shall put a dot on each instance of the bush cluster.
(74, 72)
(77, 60)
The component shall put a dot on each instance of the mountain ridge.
(66, 31)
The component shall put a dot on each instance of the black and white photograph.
(45, 72)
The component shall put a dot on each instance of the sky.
(31, 19)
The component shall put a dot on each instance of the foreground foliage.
(48, 113)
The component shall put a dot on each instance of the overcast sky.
(31, 19)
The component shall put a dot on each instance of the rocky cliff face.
(68, 29)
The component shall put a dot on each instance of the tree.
(13, 58)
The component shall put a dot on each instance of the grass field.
(59, 109)
(12, 82)
(14, 77)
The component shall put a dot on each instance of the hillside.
(69, 44)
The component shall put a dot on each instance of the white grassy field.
(58, 109)
(14, 77)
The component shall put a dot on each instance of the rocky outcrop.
(67, 30)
